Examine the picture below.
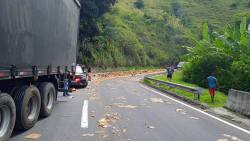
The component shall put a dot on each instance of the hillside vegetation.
(153, 33)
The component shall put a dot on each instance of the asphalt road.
(66, 121)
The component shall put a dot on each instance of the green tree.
(177, 9)
(90, 11)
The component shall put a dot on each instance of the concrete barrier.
(239, 102)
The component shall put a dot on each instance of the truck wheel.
(37, 84)
(10, 90)
(48, 95)
(28, 103)
(7, 116)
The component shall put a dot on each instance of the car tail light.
(77, 79)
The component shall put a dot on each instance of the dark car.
(80, 78)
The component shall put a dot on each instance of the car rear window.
(79, 69)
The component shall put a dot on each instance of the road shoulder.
(221, 111)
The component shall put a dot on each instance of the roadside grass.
(219, 100)
(228, 117)
(126, 68)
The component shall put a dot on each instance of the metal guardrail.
(198, 91)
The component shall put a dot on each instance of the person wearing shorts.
(212, 83)
(170, 72)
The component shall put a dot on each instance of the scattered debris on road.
(93, 115)
(92, 111)
(128, 106)
(70, 97)
(65, 116)
(111, 99)
(206, 111)
(124, 130)
(104, 121)
(179, 110)
(33, 136)
(232, 137)
(151, 127)
(107, 126)
(194, 117)
(99, 132)
(229, 136)
(115, 132)
(73, 89)
(87, 135)
(115, 117)
(121, 97)
(115, 74)
(104, 135)
(157, 100)
(92, 98)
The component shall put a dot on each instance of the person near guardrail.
(212, 82)
(170, 72)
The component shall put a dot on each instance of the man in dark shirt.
(82, 68)
(89, 73)
(170, 72)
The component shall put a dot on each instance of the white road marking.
(244, 130)
(84, 122)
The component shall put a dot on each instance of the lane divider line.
(84, 121)
(237, 127)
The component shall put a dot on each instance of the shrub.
(234, 5)
(139, 4)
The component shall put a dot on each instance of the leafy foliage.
(90, 11)
(139, 4)
(228, 56)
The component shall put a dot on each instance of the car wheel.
(84, 86)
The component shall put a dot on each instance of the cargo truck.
(38, 50)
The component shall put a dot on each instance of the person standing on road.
(170, 72)
(82, 68)
(66, 87)
(212, 82)
(89, 71)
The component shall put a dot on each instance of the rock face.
(239, 101)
